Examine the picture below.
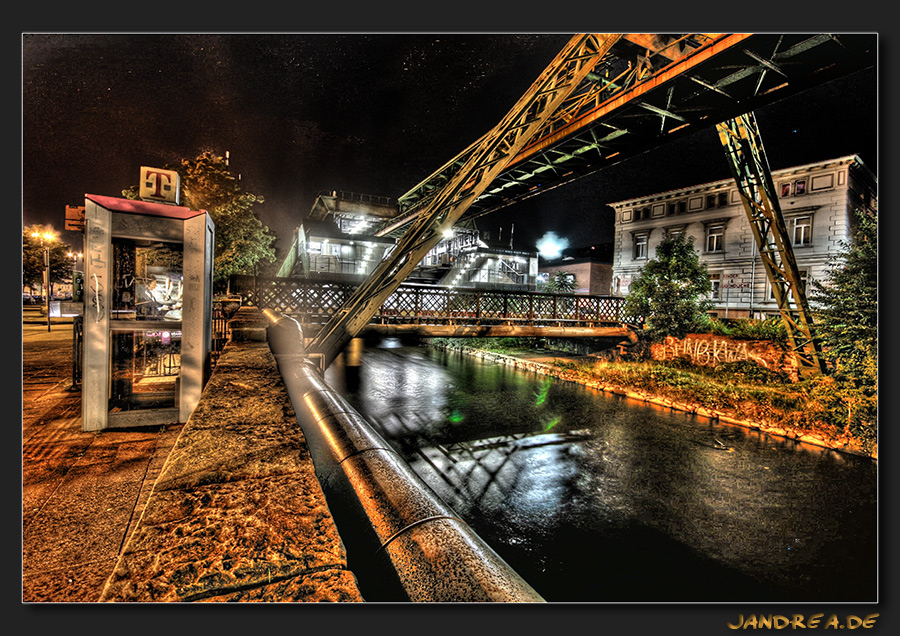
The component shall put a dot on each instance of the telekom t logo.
(159, 185)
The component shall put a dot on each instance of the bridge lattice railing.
(314, 301)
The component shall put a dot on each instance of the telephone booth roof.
(132, 206)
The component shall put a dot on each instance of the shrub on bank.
(824, 405)
(771, 329)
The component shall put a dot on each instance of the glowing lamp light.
(551, 246)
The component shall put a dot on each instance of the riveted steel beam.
(744, 149)
(484, 162)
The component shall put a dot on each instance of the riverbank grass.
(823, 409)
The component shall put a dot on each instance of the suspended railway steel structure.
(604, 98)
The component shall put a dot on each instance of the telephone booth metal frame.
(142, 369)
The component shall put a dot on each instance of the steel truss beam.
(747, 159)
(648, 89)
(491, 156)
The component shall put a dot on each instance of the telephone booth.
(147, 312)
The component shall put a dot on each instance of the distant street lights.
(47, 237)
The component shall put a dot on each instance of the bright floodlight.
(551, 246)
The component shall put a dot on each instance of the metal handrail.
(391, 522)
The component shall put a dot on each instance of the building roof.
(326, 228)
(848, 159)
(143, 207)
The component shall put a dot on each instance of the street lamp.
(74, 258)
(49, 238)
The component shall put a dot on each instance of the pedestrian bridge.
(433, 311)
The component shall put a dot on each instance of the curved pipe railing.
(399, 534)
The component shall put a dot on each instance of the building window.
(717, 200)
(640, 246)
(800, 187)
(715, 238)
(716, 283)
(803, 277)
(677, 230)
(802, 230)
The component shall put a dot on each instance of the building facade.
(590, 267)
(817, 202)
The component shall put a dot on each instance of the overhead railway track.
(646, 90)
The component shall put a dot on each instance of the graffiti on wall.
(709, 352)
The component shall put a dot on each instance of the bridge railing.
(313, 302)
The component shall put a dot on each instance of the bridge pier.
(352, 355)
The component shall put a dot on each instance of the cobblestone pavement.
(82, 492)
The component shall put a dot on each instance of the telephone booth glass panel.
(148, 280)
(145, 369)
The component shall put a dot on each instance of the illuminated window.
(147, 280)
(145, 369)
(803, 277)
(675, 231)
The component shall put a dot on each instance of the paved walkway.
(81, 491)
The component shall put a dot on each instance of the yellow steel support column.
(495, 150)
(743, 146)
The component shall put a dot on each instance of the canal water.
(598, 498)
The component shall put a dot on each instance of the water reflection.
(596, 498)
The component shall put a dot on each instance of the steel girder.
(746, 157)
(458, 191)
(642, 94)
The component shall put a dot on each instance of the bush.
(752, 373)
(847, 405)
(771, 328)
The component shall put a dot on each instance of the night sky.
(368, 113)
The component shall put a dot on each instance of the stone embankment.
(546, 365)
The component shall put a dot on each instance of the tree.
(242, 241)
(33, 257)
(845, 307)
(561, 282)
(845, 304)
(671, 292)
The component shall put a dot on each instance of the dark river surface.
(597, 498)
